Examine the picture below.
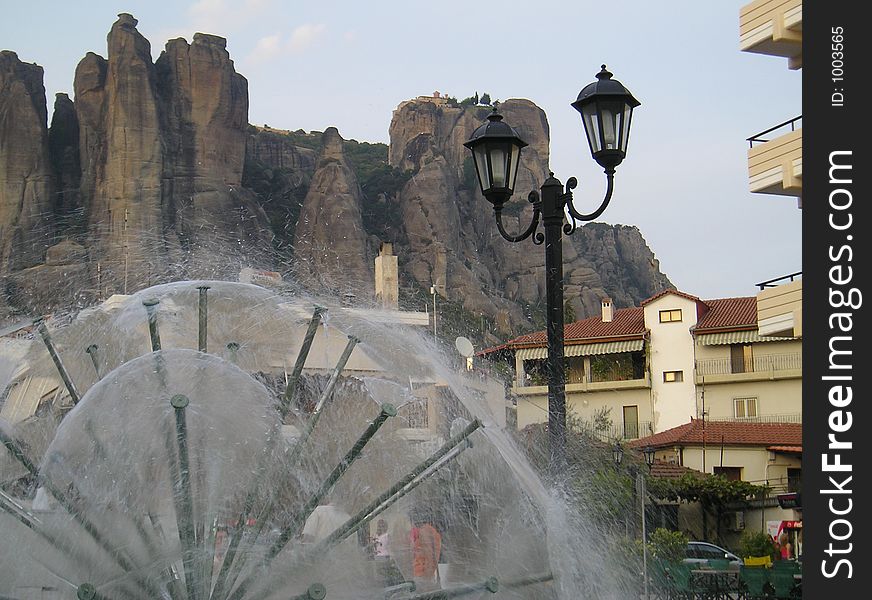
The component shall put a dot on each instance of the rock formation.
(329, 242)
(26, 181)
(152, 173)
(444, 214)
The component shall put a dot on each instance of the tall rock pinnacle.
(330, 242)
(26, 182)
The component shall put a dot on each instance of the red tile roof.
(728, 313)
(723, 314)
(786, 449)
(730, 433)
(667, 470)
(669, 291)
(626, 322)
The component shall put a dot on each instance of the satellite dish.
(464, 346)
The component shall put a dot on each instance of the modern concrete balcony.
(775, 161)
(766, 367)
(772, 27)
(779, 309)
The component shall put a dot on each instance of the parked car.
(698, 553)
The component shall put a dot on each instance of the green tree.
(668, 546)
(713, 492)
(486, 99)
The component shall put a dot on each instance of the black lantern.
(617, 454)
(649, 456)
(496, 150)
(606, 108)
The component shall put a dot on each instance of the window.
(745, 408)
(794, 479)
(673, 376)
(741, 358)
(670, 316)
(731, 473)
(631, 422)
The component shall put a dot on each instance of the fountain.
(204, 423)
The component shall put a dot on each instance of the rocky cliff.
(142, 172)
(26, 182)
(152, 173)
(329, 241)
(456, 245)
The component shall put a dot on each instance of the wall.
(671, 349)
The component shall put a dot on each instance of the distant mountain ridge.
(152, 173)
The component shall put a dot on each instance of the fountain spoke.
(290, 391)
(62, 370)
(322, 400)
(70, 507)
(184, 501)
(490, 585)
(197, 473)
(151, 310)
(316, 591)
(202, 320)
(300, 517)
(91, 350)
(386, 500)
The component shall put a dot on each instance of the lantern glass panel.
(611, 113)
(610, 127)
(481, 166)
(591, 127)
(625, 131)
(499, 159)
(513, 165)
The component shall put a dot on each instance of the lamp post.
(606, 108)
(639, 482)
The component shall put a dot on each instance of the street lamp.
(639, 482)
(648, 453)
(606, 108)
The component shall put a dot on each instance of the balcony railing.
(782, 418)
(766, 363)
(778, 280)
(793, 124)
(625, 431)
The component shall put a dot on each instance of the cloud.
(222, 17)
(304, 36)
(266, 49)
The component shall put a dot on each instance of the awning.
(585, 349)
(737, 337)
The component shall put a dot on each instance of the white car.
(701, 552)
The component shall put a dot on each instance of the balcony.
(772, 27)
(537, 388)
(779, 307)
(765, 367)
(625, 431)
(775, 160)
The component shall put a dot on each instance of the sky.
(348, 64)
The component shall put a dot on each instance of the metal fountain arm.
(571, 184)
(533, 198)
